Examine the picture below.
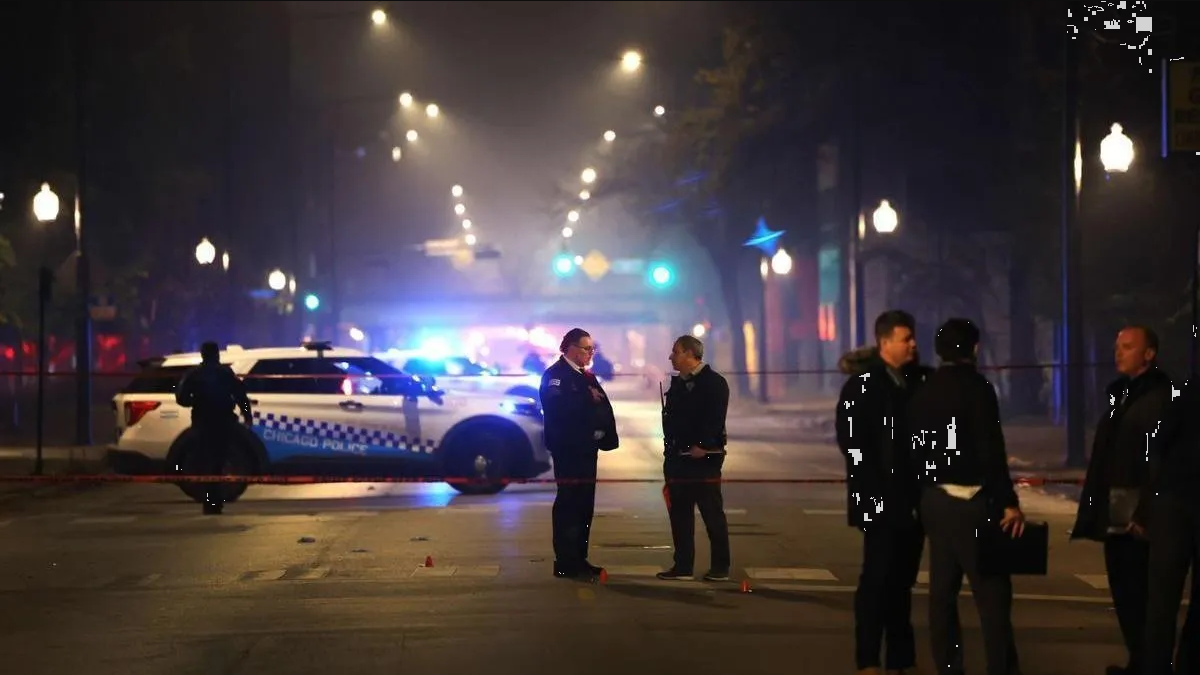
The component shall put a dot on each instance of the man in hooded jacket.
(882, 489)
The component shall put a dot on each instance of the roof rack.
(319, 347)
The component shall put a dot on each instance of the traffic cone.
(745, 586)
(429, 561)
(603, 576)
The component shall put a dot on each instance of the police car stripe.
(344, 432)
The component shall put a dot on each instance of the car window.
(286, 376)
(424, 367)
(156, 380)
(367, 375)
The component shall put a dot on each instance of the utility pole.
(1072, 297)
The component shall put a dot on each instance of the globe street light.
(459, 209)
(470, 239)
(585, 195)
(397, 154)
(884, 218)
(406, 99)
(466, 224)
(379, 17)
(45, 204)
(225, 261)
(610, 136)
(206, 253)
(456, 191)
(1116, 151)
(277, 280)
(432, 110)
(412, 135)
(588, 175)
(781, 262)
(659, 111)
(567, 232)
(573, 216)
(631, 61)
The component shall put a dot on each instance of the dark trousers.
(953, 552)
(692, 484)
(574, 506)
(213, 441)
(883, 600)
(1174, 547)
(1127, 562)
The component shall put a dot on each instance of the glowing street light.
(406, 99)
(631, 61)
(45, 204)
(885, 218)
(412, 135)
(610, 136)
(470, 239)
(781, 263)
(585, 195)
(456, 191)
(432, 110)
(206, 253)
(699, 330)
(225, 261)
(379, 17)
(588, 176)
(567, 232)
(277, 280)
(459, 209)
(659, 111)
(1116, 151)
(573, 216)
(467, 224)
(397, 153)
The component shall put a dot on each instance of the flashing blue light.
(564, 265)
(312, 302)
(435, 348)
(661, 275)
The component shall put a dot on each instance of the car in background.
(459, 373)
(321, 410)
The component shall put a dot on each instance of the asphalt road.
(326, 579)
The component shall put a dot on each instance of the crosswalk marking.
(790, 574)
(632, 570)
(1096, 581)
(103, 520)
(735, 512)
(309, 574)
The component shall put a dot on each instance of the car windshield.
(369, 375)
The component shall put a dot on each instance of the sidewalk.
(67, 460)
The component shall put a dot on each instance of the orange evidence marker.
(429, 561)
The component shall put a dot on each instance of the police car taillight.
(136, 410)
(347, 387)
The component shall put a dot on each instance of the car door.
(299, 411)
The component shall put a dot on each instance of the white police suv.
(327, 411)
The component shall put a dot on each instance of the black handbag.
(1001, 553)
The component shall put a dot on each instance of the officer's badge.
(555, 383)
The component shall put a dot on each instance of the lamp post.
(45, 209)
(206, 253)
(885, 220)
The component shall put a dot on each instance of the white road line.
(633, 570)
(817, 588)
(824, 512)
(731, 512)
(789, 574)
(264, 575)
(423, 571)
(470, 509)
(1096, 581)
(609, 510)
(103, 520)
(477, 571)
(309, 574)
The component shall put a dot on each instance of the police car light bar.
(318, 347)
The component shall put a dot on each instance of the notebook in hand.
(1000, 553)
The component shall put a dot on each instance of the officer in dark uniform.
(211, 390)
(579, 422)
(694, 438)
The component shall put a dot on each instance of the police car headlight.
(525, 407)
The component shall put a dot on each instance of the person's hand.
(1136, 529)
(697, 452)
(1013, 521)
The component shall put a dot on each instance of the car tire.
(240, 461)
(478, 459)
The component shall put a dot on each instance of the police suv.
(322, 410)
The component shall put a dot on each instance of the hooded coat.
(873, 435)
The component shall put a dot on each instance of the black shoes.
(576, 570)
(676, 575)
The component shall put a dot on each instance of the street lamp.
(781, 262)
(470, 239)
(397, 154)
(412, 135)
(573, 216)
(588, 175)
(45, 204)
(225, 261)
(456, 191)
(459, 209)
(432, 110)
(659, 111)
(406, 99)
(379, 17)
(206, 253)
(584, 195)
(610, 136)
(567, 232)
(884, 218)
(466, 223)
(1116, 151)
(631, 61)
(277, 280)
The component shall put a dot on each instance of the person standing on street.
(579, 422)
(881, 489)
(694, 452)
(1172, 522)
(1116, 492)
(212, 391)
(957, 438)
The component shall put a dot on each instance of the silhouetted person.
(957, 438)
(694, 451)
(881, 489)
(212, 391)
(1117, 493)
(579, 423)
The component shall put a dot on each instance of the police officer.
(211, 390)
(694, 432)
(579, 422)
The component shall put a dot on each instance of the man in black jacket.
(694, 452)
(1116, 492)
(958, 440)
(579, 423)
(1172, 522)
(881, 489)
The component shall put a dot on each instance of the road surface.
(323, 579)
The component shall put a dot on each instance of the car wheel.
(239, 461)
(477, 463)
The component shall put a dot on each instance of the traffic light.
(312, 302)
(661, 275)
(564, 265)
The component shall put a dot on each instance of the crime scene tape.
(1026, 481)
